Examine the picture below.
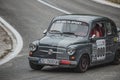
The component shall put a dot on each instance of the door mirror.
(118, 30)
(93, 36)
(45, 31)
(92, 39)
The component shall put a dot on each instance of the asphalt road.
(30, 18)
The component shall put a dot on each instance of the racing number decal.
(99, 50)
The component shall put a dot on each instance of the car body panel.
(100, 50)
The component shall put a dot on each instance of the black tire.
(83, 64)
(117, 58)
(35, 66)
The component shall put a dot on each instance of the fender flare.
(85, 51)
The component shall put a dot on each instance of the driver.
(97, 31)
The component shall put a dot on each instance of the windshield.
(69, 27)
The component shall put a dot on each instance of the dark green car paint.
(82, 45)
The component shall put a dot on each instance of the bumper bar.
(60, 62)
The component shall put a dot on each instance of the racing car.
(76, 41)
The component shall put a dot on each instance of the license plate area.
(49, 61)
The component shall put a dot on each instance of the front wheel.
(83, 64)
(117, 58)
(35, 66)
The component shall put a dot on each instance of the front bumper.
(52, 62)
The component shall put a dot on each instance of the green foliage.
(115, 1)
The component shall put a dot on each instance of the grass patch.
(5, 53)
(115, 1)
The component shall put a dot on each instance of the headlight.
(32, 47)
(71, 51)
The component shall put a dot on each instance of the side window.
(110, 28)
(98, 30)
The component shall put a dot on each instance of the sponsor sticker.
(99, 50)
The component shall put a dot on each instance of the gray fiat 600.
(78, 42)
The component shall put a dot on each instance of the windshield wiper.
(69, 33)
(54, 31)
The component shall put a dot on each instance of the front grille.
(63, 56)
(56, 53)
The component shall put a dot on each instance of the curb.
(107, 3)
(16, 38)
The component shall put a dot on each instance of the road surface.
(30, 18)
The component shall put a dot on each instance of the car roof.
(80, 17)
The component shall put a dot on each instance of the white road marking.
(105, 2)
(17, 41)
(49, 5)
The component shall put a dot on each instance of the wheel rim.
(84, 63)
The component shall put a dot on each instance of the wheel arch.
(79, 67)
(84, 52)
(116, 60)
(117, 50)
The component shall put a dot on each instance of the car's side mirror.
(92, 38)
(118, 31)
(45, 31)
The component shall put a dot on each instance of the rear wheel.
(35, 66)
(117, 58)
(83, 64)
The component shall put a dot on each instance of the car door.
(98, 44)
(111, 38)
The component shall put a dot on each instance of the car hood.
(60, 41)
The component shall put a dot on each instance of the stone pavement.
(5, 42)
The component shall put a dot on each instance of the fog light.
(30, 53)
(72, 58)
